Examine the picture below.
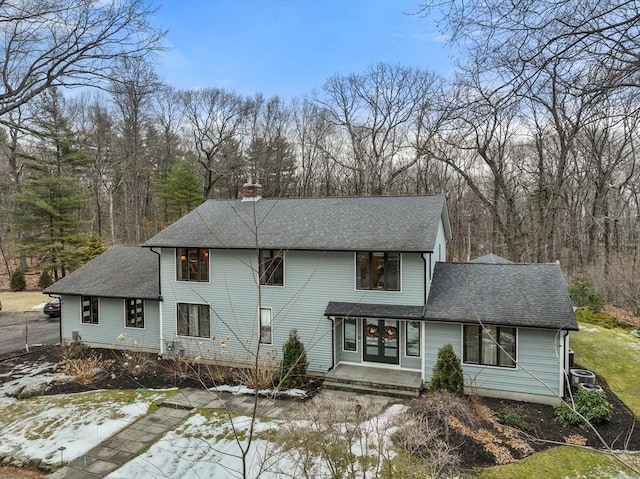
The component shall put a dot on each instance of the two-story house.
(363, 280)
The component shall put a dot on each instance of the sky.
(291, 47)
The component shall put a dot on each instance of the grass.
(82, 404)
(561, 462)
(614, 354)
(21, 301)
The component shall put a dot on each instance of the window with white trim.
(135, 313)
(378, 270)
(193, 320)
(412, 338)
(90, 310)
(271, 268)
(192, 264)
(265, 326)
(489, 346)
(349, 334)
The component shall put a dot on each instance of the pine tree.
(52, 201)
(94, 247)
(180, 190)
(293, 368)
(447, 372)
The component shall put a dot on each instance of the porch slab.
(392, 382)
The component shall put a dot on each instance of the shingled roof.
(522, 295)
(373, 223)
(120, 272)
(366, 310)
(491, 259)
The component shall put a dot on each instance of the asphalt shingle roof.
(381, 311)
(374, 223)
(523, 295)
(491, 259)
(120, 272)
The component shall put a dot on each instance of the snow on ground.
(37, 427)
(28, 375)
(241, 390)
(205, 445)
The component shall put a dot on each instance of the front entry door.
(381, 341)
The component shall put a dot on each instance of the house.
(363, 280)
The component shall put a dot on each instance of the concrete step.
(379, 389)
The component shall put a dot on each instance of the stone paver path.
(123, 446)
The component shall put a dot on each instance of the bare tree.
(376, 114)
(601, 33)
(132, 93)
(68, 43)
(214, 119)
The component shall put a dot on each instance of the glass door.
(381, 341)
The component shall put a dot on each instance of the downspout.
(159, 302)
(60, 325)
(423, 325)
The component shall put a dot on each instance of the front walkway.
(122, 447)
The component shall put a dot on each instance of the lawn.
(563, 463)
(613, 354)
(18, 302)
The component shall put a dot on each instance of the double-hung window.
(378, 270)
(193, 320)
(90, 309)
(271, 267)
(490, 346)
(135, 313)
(192, 264)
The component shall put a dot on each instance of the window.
(271, 267)
(193, 320)
(349, 334)
(481, 346)
(135, 313)
(412, 343)
(265, 325)
(89, 309)
(192, 264)
(378, 271)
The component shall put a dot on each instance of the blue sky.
(290, 47)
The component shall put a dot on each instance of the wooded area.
(533, 141)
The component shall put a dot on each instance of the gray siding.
(312, 279)
(111, 316)
(439, 254)
(538, 370)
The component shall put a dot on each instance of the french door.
(382, 339)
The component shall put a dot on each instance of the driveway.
(18, 329)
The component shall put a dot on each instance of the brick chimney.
(251, 191)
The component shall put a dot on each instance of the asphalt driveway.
(18, 329)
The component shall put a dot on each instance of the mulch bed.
(544, 432)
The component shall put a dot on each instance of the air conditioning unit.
(581, 376)
(75, 336)
(590, 387)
